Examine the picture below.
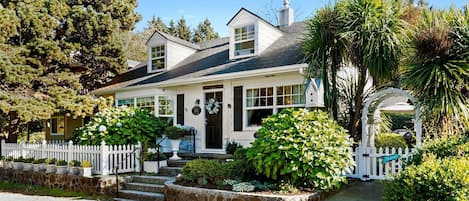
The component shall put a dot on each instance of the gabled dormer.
(166, 51)
(250, 35)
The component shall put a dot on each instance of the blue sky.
(219, 12)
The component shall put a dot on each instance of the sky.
(219, 12)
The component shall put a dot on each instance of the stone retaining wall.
(93, 185)
(175, 192)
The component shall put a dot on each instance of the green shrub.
(202, 172)
(434, 179)
(9, 158)
(39, 161)
(241, 167)
(28, 160)
(155, 157)
(231, 147)
(86, 164)
(303, 148)
(74, 163)
(174, 132)
(452, 146)
(121, 125)
(61, 163)
(19, 159)
(50, 161)
(391, 140)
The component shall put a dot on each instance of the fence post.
(70, 151)
(43, 149)
(104, 159)
(2, 153)
(21, 149)
(138, 157)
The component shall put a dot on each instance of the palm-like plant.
(324, 48)
(437, 69)
(376, 31)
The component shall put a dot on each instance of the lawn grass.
(6, 186)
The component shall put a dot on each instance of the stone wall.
(174, 192)
(93, 185)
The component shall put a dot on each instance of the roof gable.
(173, 39)
(244, 11)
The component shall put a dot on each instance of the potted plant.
(150, 164)
(18, 163)
(62, 167)
(174, 134)
(74, 167)
(28, 166)
(50, 165)
(2, 162)
(86, 168)
(38, 165)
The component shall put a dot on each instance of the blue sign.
(389, 158)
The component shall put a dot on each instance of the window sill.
(56, 134)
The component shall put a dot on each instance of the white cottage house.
(222, 87)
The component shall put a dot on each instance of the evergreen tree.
(203, 32)
(182, 30)
(53, 52)
(172, 28)
(156, 24)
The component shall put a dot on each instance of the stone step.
(151, 179)
(140, 195)
(152, 188)
(170, 171)
(177, 163)
(122, 199)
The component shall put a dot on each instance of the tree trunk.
(358, 104)
(334, 101)
(13, 127)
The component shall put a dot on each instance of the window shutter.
(180, 109)
(238, 108)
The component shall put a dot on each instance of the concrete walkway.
(359, 191)
(4, 196)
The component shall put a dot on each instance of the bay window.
(125, 102)
(147, 103)
(263, 102)
(164, 106)
(165, 109)
(244, 40)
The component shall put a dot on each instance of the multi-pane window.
(147, 103)
(157, 57)
(57, 126)
(244, 40)
(165, 109)
(127, 102)
(263, 102)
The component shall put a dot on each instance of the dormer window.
(244, 40)
(158, 58)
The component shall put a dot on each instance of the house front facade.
(222, 87)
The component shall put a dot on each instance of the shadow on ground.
(359, 191)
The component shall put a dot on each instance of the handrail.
(116, 168)
(158, 145)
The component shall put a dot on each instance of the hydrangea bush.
(304, 148)
(122, 125)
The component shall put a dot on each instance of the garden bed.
(175, 192)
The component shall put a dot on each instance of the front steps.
(150, 188)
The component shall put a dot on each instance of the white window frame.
(164, 57)
(155, 104)
(274, 107)
(253, 39)
(50, 127)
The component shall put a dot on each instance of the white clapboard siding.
(103, 157)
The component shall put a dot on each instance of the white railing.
(370, 165)
(104, 158)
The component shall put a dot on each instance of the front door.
(213, 115)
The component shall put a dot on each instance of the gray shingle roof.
(213, 59)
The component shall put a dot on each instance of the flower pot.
(9, 164)
(39, 167)
(152, 166)
(51, 169)
(62, 170)
(175, 148)
(18, 165)
(27, 167)
(86, 172)
(74, 171)
(3, 164)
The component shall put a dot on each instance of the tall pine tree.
(182, 30)
(204, 31)
(53, 52)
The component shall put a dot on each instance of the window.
(244, 40)
(157, 58)
(263, 102)
(147, 103)
(57, 126)
(165, 109)
(127, 102)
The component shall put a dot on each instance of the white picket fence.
(369, 162)
(104, 158)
